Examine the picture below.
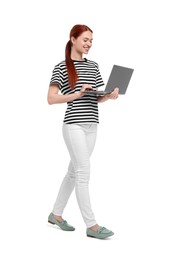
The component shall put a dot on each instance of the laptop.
(119, 77)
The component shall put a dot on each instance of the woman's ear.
(72, 40)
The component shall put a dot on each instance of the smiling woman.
(73, 76)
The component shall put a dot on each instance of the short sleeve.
(99, 80)
(57, 76)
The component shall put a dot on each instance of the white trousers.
(80, 140)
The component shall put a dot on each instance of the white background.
(136, 166)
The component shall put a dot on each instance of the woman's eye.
(87, 40)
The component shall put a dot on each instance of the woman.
(74, 76)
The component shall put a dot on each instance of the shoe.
(101, 233)
(63, 225)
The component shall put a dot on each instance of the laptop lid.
(119, 77)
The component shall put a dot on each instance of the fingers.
(114, 94)
(86, 87)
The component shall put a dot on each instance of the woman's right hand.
(85, 87)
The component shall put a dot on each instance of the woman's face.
(83, 43)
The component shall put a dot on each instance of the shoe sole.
(101, 237)
(51, 222)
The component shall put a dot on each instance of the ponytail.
(72, 74)
(75, 32)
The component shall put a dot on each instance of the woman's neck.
(76, 56)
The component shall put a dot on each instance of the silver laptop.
(119, 77)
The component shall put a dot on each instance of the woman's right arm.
(54, 98)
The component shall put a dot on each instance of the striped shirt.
(85, 109)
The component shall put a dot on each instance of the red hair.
(75, 32)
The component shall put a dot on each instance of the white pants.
(80, 140)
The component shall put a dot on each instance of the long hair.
(75, 32)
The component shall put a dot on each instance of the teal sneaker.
(101, 233)
(63, 225)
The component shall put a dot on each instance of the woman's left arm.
(112, 95)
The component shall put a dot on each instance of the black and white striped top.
(85, 109)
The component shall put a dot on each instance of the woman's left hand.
(114, 94)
